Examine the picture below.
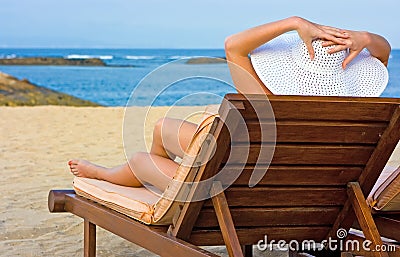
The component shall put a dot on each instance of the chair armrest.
(56, 199)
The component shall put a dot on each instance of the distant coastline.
(52, 61)
(206, 60)
(90, 61)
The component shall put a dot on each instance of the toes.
(74, 170)
(73, 162)
(82, 168)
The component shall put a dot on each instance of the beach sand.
(35, 145)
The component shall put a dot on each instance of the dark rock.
(205, 60)
(14, 92)
(52, 61)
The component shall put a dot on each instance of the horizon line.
(100, 47)
(119, 48)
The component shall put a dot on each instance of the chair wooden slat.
(278, 216)
(292, 175)
(311, 132)
(301, 154)
(387, 226)
(284, 196)
(253, 235)
(315, 108)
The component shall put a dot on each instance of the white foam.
(106, 57)
(85, 56)
(78, 56)
(181, 57)
(11, 56)
(139, 57)
(8, 56)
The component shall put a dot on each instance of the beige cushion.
(385, 196)
(141, 203)
(135, 202)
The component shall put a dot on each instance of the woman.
(239, 46)
(172, 136)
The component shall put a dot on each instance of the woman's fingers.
(340, 33)
(310, 49)
(330, 28)
(330, 38)
(349, 58)
(328, 43)
(337, 48)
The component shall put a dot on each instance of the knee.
(159, 126)
(137, 158)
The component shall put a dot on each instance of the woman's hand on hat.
(309, 31)
(355, 42)
(335, 32)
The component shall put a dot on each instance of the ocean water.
(144, 76)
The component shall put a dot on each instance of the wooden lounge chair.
(328, 154)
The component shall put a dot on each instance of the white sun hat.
(284, 66)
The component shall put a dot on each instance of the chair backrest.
(322, 143)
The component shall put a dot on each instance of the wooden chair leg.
(346, 254)
(225, 221)
(292, 254)
(364, 217)
(247, 250)
(89, 241)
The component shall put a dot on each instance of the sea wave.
(161, 57)
(140, 57)
(8, 56)
(176, 57)
(85, 56)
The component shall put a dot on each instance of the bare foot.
(86, 169)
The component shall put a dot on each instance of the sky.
(176, 23)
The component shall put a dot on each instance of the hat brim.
(274, 65)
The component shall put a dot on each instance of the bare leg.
(170, 137)
(153, 169)
(150, 168)
(121, 175)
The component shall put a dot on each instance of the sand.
(35, 145)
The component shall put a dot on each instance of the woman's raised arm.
(238, 47)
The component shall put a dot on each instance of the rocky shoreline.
(52, 61)
(91, 61)
(15, 92)
(206, 60)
